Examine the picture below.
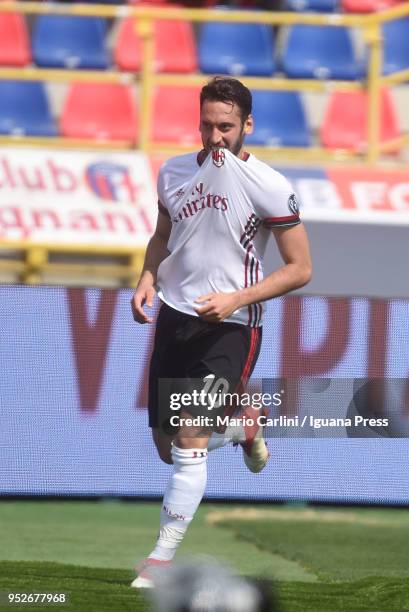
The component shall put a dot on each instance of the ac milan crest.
(218, 156)
(293, 204)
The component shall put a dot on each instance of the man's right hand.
(142, 296)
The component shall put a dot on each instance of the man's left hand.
(218, 306)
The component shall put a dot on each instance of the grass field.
(321, 560)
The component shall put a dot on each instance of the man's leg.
(184, 492)
(218, 440)
(163, 442)
(229, 351)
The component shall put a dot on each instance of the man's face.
(221, 125)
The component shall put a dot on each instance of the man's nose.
(215, 137)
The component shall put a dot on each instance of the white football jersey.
(222, 212)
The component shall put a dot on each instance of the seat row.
(312, 52)
(348, 6)
(110, 112)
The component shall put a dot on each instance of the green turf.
(337, 550)
(103, 590)
(367, 595)
(119, 535)
(327, 561)
(88, 589)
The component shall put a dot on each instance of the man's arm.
(293, 245)
(156, 252)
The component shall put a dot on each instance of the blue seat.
(70, 42)
(279, 120)
(320, 52)
(103, 1)
(24, 109)
(396, 45)
(319, 6)
(236, 49)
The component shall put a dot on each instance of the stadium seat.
(24, 109)
(395, 45)
(152, 2)
(14, 40)
(104, 1)
(95, 1)
(367, 6)
(236, 49)
(319, 6)
(320, 52)
(176, 112)
(345, 120)
(279, 120)
(70, 42)
(99, 111)
(175, 47)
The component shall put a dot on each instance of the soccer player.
(217, 209)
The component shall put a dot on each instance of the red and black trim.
(250, 230)
(252, 356)
(251, 266)
(199, 454)
(271, 222)
(251, 277)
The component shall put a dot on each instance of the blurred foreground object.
(206, 586)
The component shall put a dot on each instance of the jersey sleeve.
(278, 206)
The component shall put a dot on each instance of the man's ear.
(249, 125)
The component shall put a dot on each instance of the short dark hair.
(226, 89)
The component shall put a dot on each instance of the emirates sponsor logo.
(199, 201)
(218, 156)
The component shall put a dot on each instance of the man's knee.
(187, 442)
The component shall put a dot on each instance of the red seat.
(100, 111)
(174, 41)
(150, 2)
(176, 112)
(346, 117)
(14, 40)
(367, 6)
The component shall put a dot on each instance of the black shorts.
(187, 349)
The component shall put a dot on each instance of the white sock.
(217, 440)
(232, 433)
(181, 500)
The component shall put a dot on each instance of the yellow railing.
(30, 262)
(370, 24)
